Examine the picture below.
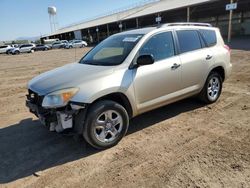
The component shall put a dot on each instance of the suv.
(128, 74)
(24, 48)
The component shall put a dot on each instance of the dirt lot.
(185, 144)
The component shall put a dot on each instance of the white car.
(76, 44)
(24, 48)
(4, 48)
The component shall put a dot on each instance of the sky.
(29, 18)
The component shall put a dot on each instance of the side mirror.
(145, 60)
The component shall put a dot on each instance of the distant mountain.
(28, 38)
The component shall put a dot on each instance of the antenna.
(52, 18)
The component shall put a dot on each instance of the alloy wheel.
(108, 126)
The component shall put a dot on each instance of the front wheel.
(16, 52)
(212, 88)
(106, 124)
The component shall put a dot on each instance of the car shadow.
(28, 147)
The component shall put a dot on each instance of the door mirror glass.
(145, 60)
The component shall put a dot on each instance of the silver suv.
(128, 74)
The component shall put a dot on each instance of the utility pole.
(97, 33)
(108, 30)
(230, 24)
(188, 14)
(137, 23)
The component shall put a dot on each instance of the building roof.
(147, 9)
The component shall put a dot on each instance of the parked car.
(76, 44)
(8, 52)
(57, 45)
(128, 74)
(4, 48)
(24, 48)
(42, 47)
(64, 41)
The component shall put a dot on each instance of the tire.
(16, 52)
(113, 124)
(8, 52)
(212, 89)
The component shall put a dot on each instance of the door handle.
(175, 66)
(209, 57)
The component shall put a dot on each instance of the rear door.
(23, 48)
(29, 47)
(77, 44)
(195, 59)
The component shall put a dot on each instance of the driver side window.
(161, 46)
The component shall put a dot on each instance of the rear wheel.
(212, 88)
(106, 124)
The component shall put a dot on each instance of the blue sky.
(25, 18)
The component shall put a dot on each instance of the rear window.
(188, 40)
(209, 36)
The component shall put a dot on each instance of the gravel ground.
(185, 144)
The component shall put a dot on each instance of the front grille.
(34, 98)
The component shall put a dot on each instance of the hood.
(71, 75)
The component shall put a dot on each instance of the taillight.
(228, 48)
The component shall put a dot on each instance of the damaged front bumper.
(72, 116)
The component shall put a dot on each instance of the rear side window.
(188, 40)
(209, 36)
(161, 46)
(3, 46)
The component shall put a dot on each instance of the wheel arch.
(220, 70)
(120, 98)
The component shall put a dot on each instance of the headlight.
(59, 98)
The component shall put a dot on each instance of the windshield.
(112, 51)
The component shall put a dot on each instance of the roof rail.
(186, 24)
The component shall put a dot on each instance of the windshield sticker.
(130, 39)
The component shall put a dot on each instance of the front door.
(157, 83)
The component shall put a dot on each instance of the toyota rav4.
(128, 74)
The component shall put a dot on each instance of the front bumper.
(71, 116)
